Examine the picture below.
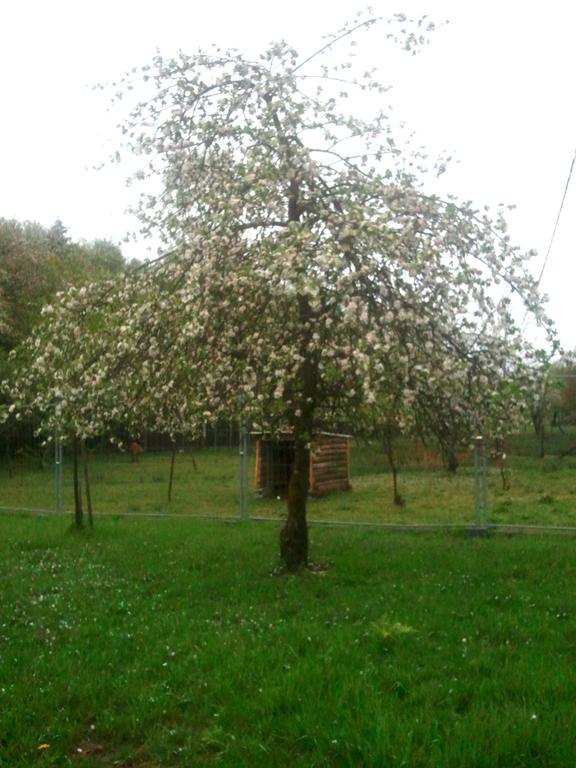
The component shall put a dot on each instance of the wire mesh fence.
(235, 473)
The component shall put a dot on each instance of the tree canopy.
(308, 275)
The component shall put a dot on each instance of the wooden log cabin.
(329, 463)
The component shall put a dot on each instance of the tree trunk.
(87, 486)
(540, 430)
(398, 500)
(504, 472)
(78, 513)
(451, 459)
(502, 460)
(171, 480)
(294, 535)
(541, 441)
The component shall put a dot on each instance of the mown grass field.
(543, 491)
(151, 643)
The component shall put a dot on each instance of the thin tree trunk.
(398, 500)
(502, 463)
(78, 513)
(540, 430)
(452, 462)
(171, 480)
(87, 486)
(504, 475)
(542, 438)
(448, 445)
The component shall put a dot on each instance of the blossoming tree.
(308, 274)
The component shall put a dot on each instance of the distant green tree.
(58, 236)
(564, 392)
(569, 397)
(36, 263)
(104, 258)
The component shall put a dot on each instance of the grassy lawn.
(118, 485)
(150, 643)
(543, 491)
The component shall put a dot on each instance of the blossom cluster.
(302, 282)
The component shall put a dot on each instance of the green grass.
(543, 491)
(119, 485)
(149, 643)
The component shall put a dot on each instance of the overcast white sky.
(495, 88)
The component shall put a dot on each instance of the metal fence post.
(480, 484)
(486, 516)
(58, 468)
(243, 443)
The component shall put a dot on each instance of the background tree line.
(36, 263)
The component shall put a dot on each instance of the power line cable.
(557, 218)
(550, 244)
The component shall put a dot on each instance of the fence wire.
(228, 473)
